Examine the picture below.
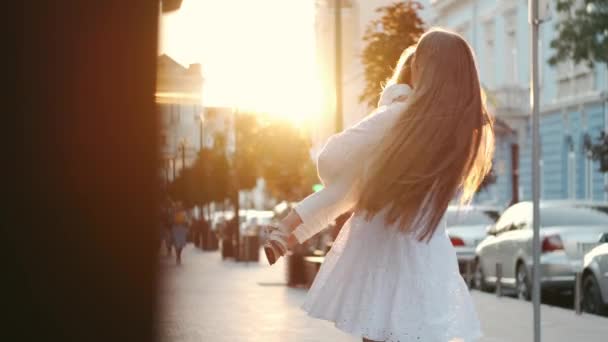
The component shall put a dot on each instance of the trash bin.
(210, 241)
(296, 271)
(227, 247)
(249, 248)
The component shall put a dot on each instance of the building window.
(541, 174)
(174, 113)
(511, 48)
(588, 176)
(571, 174)
(583, 83)
(573, 80)
(588, 162)
(489, 64)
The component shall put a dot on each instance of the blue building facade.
(574, 101)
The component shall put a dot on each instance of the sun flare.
(255, 55)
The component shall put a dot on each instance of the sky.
(255, 54)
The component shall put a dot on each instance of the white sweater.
(341, 163)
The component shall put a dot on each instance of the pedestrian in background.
(166, 224)
(180, 233)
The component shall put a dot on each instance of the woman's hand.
(277, 244)
(280, 238)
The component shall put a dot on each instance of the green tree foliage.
(200, 177)
(599, 151)
(247, 152)
(219, 171)
(180, 189)
(207, 180)
(285, 161)
(274, 150)
(398, 28)
(582, 32)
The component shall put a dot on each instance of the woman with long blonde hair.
(392, 273)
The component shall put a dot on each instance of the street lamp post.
(535, 173)
(237, 209)
(538, 12)
(183, 144)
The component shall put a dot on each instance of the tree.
(582, 33)
(599, 151)
(201, 177)
(219, 170)
(247, 151)
(285, 161)
(401, 27)
(181, 190)
(206, 180)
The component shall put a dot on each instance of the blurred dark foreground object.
(81, 249)
(171, 5)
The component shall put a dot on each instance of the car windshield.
(470, 217)
(573, 216)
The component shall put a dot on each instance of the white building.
(356, 15)
(574, 98)
(180, 110)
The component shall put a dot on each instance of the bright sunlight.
(256, 55)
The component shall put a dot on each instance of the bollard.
(578, 295)
(498, 279)
(468, 274)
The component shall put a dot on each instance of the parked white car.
(254, 220)
(466, 227)
(568, 230)
(595, 279)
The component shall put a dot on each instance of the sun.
(256, 55)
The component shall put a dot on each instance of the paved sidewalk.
(507, 319)
(207, 299)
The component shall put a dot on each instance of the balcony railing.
(510, 100)
(439, 4)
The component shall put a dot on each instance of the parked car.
(254, 220)
(217, 221)
(466, 227)
(568, 229)
(595, 279)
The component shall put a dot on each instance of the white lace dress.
(377, 282)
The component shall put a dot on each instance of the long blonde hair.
(441, 145)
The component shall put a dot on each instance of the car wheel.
(592, 297)
(479, 279)
(523, 282)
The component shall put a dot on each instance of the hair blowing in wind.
(442, 144)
